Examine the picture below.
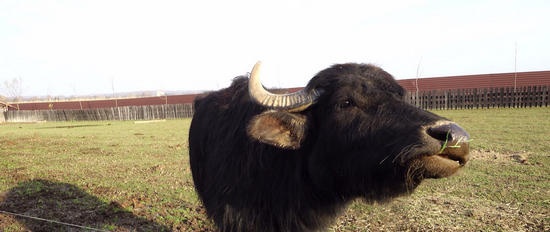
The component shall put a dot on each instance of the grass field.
(123, 176)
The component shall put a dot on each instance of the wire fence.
(69, 225)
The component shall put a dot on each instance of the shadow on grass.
(67, 203)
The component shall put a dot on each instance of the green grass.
(143, 168)
(505, 130)
(119, 176)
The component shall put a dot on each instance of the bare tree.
(14, 89)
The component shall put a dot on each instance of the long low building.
(520, 79)
(497, 80)
(104, 103)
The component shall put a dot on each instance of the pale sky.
(90, 47)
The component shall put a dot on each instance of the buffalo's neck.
(294, 203)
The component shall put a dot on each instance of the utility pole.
(416, 83)
(515, 66)
(516, 98)
(113, 88)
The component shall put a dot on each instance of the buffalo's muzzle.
(449, 132)
(454, 141)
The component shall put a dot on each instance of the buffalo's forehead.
(361, 77)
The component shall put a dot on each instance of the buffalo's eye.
(346, 103)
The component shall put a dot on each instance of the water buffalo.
(291, 162)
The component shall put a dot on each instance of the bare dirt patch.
(499, 157)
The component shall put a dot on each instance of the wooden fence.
(150, 112)
(528, 96)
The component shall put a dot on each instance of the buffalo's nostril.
(448, 132)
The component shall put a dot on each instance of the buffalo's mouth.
(447, 151)
(457, 158)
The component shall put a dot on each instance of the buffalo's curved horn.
(292, 102)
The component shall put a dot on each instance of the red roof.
(478, 81)
(6, 105)
(106, 103)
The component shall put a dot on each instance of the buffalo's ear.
(278, 128)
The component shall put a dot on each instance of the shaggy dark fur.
(359, 140)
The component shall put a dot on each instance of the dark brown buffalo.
(291, 162)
